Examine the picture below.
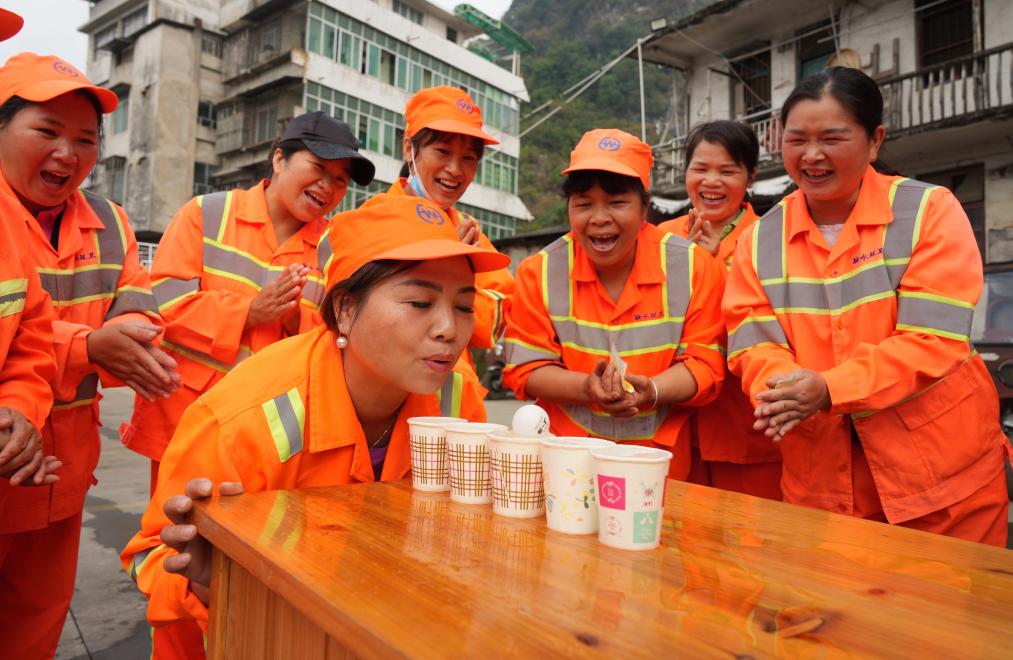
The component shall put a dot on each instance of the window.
(751, 84)
(116, 168)
(104, 37)
(968, 184)
(815, 48)
(494, 225)
(119, 119)
(945, 30)
(411, 13)
(451, 34)
(203, 176)
(207, 115)
(211, 44)
(270, 37)
(266, 124)
(133, 23)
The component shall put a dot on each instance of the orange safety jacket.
(667, 313)
(215, 257)
(283, 419)
(884, 316)
(94, 278)
(724, 428)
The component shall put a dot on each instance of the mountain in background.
(572, 39)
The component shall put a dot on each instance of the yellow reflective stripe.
(956, 302)
(932, 331)
(822, 311)
(277, 430)
(755, 244)
(225, 217)
(83, 299)
(12, 307)
(137, 566)
(919, 217)
(740, 351)
(8, 287)
(713, 347)
(632, 351)
(828, 280)
(231, 276)
(196, 356)
(286, 417)
(893, 188)
(450, 394)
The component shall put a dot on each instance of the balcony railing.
(959, 90)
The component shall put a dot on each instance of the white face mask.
(415, 181)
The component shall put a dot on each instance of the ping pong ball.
(530, 420)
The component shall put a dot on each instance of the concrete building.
(945, 68)
(207, 85)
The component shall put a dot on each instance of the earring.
(342, 341)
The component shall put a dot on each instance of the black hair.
(359, 284)
(581, 181)
(287, 149)
(855, 91)
(737, 138)
(428, 136)
(16, 104)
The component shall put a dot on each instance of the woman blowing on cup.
(848, 308)
(329, 406)
(615, 285)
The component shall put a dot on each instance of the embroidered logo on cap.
(464, 106)
(429, 215)
(66, 69)
(609, 143)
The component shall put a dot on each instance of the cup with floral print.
(571, 504)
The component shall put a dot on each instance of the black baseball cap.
(329, 139)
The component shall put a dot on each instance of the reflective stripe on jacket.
(884, 316)
(667, 313)
(215, 257)
(93, 278)
(281, 420)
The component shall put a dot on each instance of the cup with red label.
(427, 440)
(630, 484)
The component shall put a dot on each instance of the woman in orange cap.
(237, 271)
(617, 291)
(105, 327)
(849, 307)
(721, 161)
(327, 407)
(443, 144)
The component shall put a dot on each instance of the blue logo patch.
(429, 215)
(609, 143)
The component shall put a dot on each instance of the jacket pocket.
(938, 399)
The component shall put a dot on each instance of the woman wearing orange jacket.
(234, 268)
(104, 327)
(727, 452)
(617, 285)
(443, 144)
(327, 407)
(848, 308)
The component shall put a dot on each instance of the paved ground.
(106, 619)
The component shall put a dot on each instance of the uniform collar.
(871, 208)
(88, 219)
(251, 207)
(646, 261)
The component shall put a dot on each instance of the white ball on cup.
(530, 420)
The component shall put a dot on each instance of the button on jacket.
(884, 316)
(217, 254)
(668, 312)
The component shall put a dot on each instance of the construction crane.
(500, 33)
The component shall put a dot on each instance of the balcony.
(954, 93)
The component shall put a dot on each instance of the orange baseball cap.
(612, 150)
(10, 24)
(446, 109)
(401, 228)
(42, 78)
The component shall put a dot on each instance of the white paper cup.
(468, 462)
(630, 483)
(515, 469)
(428, 444)
(568, 470)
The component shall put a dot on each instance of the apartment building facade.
(207, 85)
(945, 68)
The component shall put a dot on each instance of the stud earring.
(342, 341)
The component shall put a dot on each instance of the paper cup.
(568, 470)
(515, 469)
(468, 462)
(630, 484)
(428, 443)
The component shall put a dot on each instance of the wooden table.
(380, 570)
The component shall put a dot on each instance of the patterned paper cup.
(428, 443)
(568, 469)
(515, 469)
(630, 483)
(468, 462)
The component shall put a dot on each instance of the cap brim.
(47, 90)
(363, 169)
(455, 126)
(482, 260)
(10, 24)
(607, 165)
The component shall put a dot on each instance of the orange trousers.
(757, 479)
(981, 517)
(37, 571)
(178, 641)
